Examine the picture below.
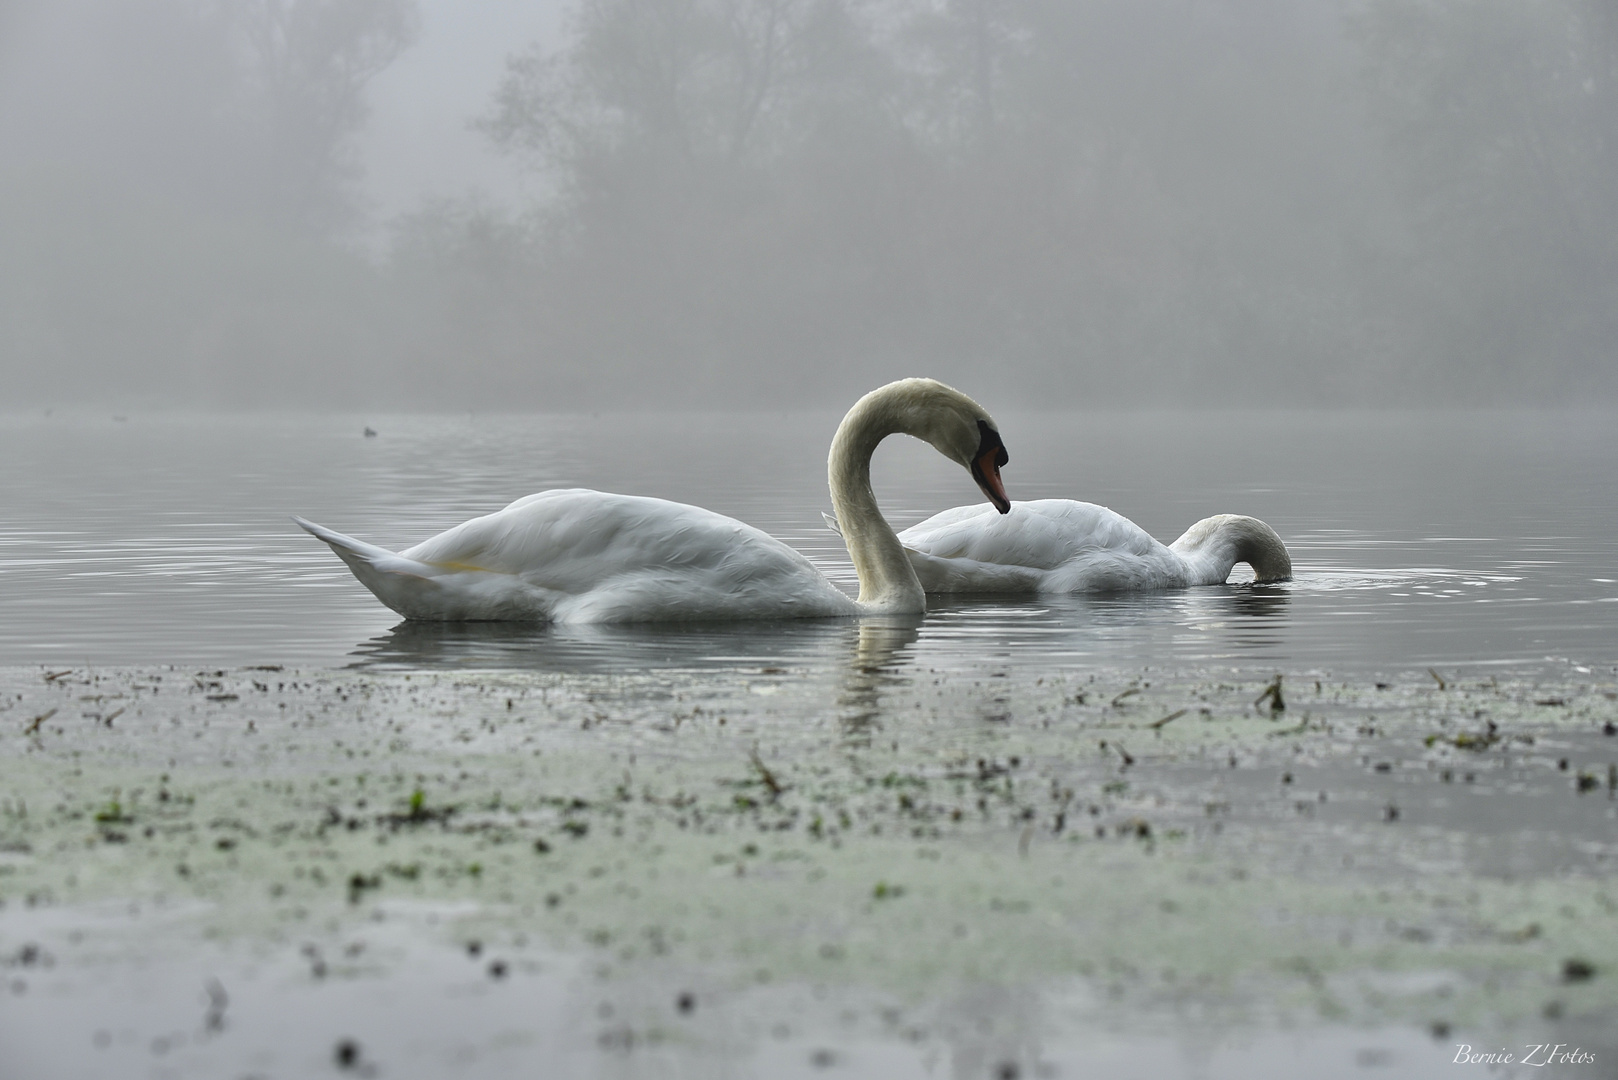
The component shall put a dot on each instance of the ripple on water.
(167, 539)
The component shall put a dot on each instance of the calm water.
(1419, 538)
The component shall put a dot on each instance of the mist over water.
(1349, 266)
(781, 203)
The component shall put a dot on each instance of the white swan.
(580, 556)
(1063, 546)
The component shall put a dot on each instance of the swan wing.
(1041, 535)
(1046, 545)
(601, 557)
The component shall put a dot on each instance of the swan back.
(581, 556)
(595, 556)
(1064, 546)
(1045, 545)
(587, 556)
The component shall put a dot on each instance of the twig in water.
(106, 721)
(52, 676)
(1272, 694)
(1175, 715)
(33, 725)
(765, 775)
(1120, 698)
(1439, 679)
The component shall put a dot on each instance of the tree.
(305, 65)
(174, 183)
(955, 54)
(676, 135)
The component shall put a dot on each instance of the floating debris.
(1272, 694)
(1576, 970)
(1175, 715)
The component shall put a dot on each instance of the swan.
(579, 556)
(1065, 546)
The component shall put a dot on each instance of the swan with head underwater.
(579, 556)
(1065, 546)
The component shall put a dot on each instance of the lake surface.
(1419, 538)
(1429, 854)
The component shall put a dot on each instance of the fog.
(781, 203)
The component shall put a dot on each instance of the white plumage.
(1063, 546)
(581, 556)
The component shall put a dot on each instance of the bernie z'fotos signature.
(1539, 1055)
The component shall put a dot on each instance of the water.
(1483, 540)
(1419, 538)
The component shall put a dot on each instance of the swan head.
(949, 421)
(986, 463)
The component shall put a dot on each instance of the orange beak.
(986, 465)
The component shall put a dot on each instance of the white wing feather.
(578, 556)
(1064, 546)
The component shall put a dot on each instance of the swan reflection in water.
(1052, 632)
(865, 657)
(610, 649)
(877, 651)
(959, 634)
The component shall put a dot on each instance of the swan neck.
(888, 583)
(1214, 545)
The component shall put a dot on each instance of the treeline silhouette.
(783, 202)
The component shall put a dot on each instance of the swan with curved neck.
(1065, 546)
(575, 555)
(888, 582)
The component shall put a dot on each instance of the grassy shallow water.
(845, 869)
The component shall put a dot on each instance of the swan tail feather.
(394, 579)
(344, 545)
